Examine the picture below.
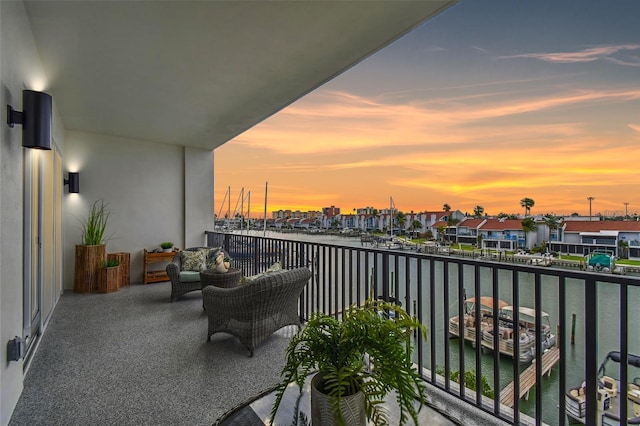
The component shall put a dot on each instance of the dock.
(528, 377)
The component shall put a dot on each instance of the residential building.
(503, 234)
(331, 211)
(582, 237)
(142, 95)
(467, 230)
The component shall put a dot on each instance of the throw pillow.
(192, 260)
(276, 267)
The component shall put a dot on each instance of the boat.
(600, 261)
(544, 259)
(525, 333)
(609, 392)
(469, 324)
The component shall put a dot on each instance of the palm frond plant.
(379, 332)
(94, 226)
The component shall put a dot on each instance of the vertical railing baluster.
(591, 348)
(624, 348)
(538, 346)
(432, 319)
(446, 315)
(478, 294)
(407, 286)
(516, 346)
(461, 305)
(496, 342)
(420, 318)
(561, 339)
(385, 276)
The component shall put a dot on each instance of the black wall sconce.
(73, 182)
(35, 119)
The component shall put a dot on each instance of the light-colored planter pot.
(221, 267)
(169, 250)
(322, 413)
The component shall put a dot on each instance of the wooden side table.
(227, 279)
(154, 276)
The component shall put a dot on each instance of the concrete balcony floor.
(132, 358)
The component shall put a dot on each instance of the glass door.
(43, 232)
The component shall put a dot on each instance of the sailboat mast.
(241, 208)
(248, 210)
(391, 212)
(266, 185)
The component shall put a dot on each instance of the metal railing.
(433, 288)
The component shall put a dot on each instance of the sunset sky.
(488, 103)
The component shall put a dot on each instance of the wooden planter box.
(109, 279)
(87, 268)
(124, 259)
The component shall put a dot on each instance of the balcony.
(101, 377)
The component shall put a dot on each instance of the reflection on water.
(407, 281)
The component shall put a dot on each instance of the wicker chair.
(180, 288)
(253, 311)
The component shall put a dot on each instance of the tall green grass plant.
(95, 225)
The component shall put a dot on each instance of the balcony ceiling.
(198, 73)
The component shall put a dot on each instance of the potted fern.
(363, 358)
(92, 252)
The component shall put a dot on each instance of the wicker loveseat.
(255, 310)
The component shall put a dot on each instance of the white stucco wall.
(155, 192)
(20, 69)
(199, 207)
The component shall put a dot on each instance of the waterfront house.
(582, 237)
(467, 230)
(503, 234)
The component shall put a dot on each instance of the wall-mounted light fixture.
(73, 182)
(35, 118)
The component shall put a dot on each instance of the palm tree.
(376, 216)
(446, 207)
(452, 221)
(552, 222)
(401, 219)
(624, 249)
(441, 232)
(415, 225)
(527, 203)
(528, 225)
(478, 211)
